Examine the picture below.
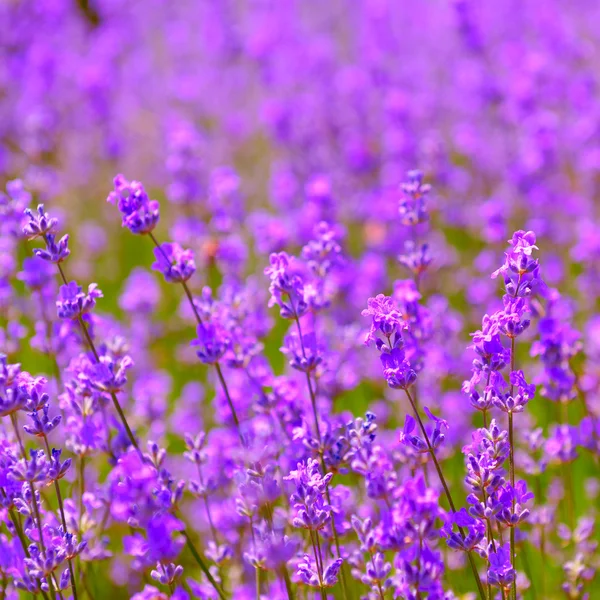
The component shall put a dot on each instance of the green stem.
(203, 566)
(190, 298)
(313, 398)
(446, 490)
(258, 583)
(38, 518)
(318, 563)
(63, 519)
(13, 420)
(92, 347)
(511, 458)
(229, 401)
(288, 583)
(313, 401)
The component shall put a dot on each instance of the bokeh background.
(251, 121)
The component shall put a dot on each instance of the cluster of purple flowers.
(264, 475)
(196, 410)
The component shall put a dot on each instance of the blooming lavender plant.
(171, 437)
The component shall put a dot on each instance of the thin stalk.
(229, 401)
(210, 521)
(381, 596)
(61, 509)
(258, 583)
(446, 489)
(485, 421)
(213, 531)
(313, 398)
(525, 558)
(288, 583)
(82, 485)
(203, 566)
(36, 510)
(57, 587)
(491, 534)
(319, 565)
(92, 347)
(20, 534)
(49, 350)
(511, 459)
(313, 401)
(13, 420)
(190, 298)
(319, 551)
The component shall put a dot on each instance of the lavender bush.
(344, 344)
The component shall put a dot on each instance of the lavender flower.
(140, 214)
(176, 264)
(73, 303)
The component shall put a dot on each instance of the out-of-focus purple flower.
(414, 192)
(150, 593)
(141, 293)
(36, 273)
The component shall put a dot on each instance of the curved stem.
(313, 401)
(92, 348)
(446, 490)
(63, 519)
(313, 397)
(199, 321)
(511, 458)
(258, 583)
(13, 420)
(229, 401)
(38, 518)
(288, 583)
(203, 566)
(317, 562)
